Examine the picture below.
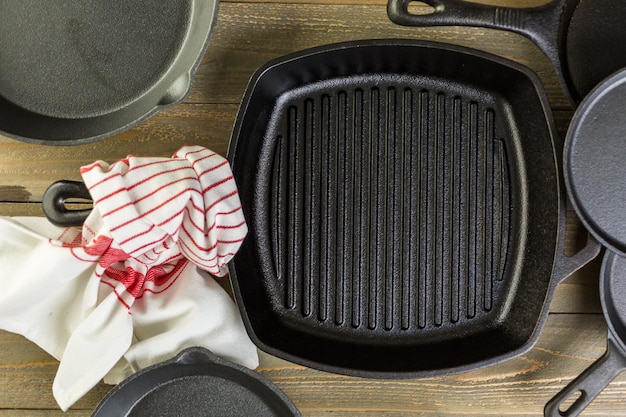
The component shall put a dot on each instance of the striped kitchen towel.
(132, 288)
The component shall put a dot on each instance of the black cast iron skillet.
(405, 208)
(584, 39)
(196, 383)
(595, 162)
(595, 378)
(594, 166)
(76, 72)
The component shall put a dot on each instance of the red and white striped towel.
(128, 290)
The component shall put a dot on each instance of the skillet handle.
(567, 265)
(530, 22)
(54, 203)
(588, 384)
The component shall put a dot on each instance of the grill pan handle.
(567, 265)
(564, 266)
(588, 384)
(54, 200)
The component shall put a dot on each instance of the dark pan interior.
(106, 66)
(403, 206)
(594, 45)
(202, 386)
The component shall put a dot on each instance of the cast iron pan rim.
(556, 147)
(160, 84)
(388, 375)
(196, 359)
(606, 272)
(587, 105)
(382, 42)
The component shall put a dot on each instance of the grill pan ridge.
(404, 206)
(388, 221)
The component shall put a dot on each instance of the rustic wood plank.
(568, 344)
(520, 386)
(26, 375)
(26, 170)
(21, 209)
(246, 33)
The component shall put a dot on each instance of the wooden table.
(249, 33)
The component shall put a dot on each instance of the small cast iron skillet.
(595, 378)
(76, 72)
(595, 173)
(196, 383)
(584, 39)
(595, 162)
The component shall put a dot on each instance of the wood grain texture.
(27, 170)
(568, 344)
(245, 39)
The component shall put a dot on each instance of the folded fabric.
(129, 290)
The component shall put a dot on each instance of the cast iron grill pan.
(382, 221)
(393, 228)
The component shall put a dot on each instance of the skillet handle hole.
(570, 401)
(77, 204)
(420, 8)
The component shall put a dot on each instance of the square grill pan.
(394, 231)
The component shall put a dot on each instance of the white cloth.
(128, 291)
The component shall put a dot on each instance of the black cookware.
(55, 199)
(595, 162)
(75, 72)
(584, 39)
(196, 383)
(405, 208)
(594, 166)
(594, 379)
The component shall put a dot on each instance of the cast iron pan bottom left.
(196, 384)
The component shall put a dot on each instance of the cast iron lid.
(74, 72)
(595, 162)
(404, 207)
(196, 383)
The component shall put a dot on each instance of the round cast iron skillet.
(584, 39)
(594, 155)
(405, 208)
(595, 162)
(595, 378)
(76, 72)
(196, 383)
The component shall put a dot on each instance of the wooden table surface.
(249, 33)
